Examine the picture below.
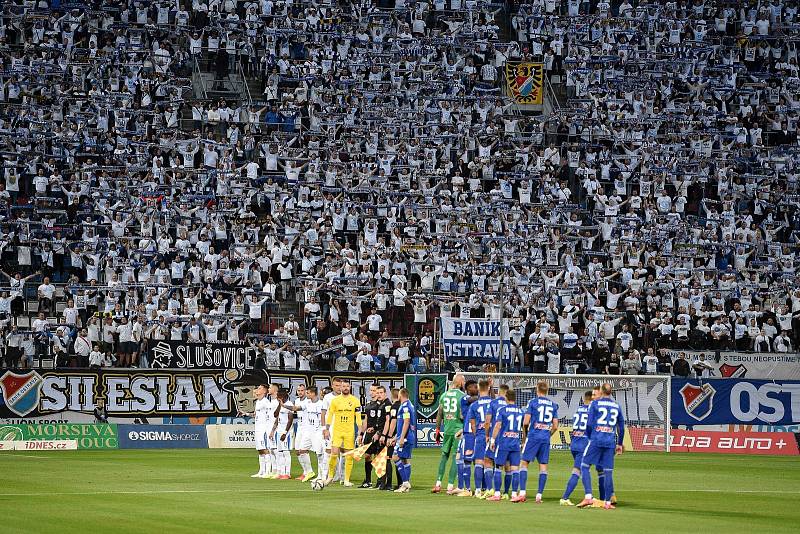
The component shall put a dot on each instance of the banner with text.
(735, 401)
(162, 437)
(182, 355)
(475, 340)
(753, 365)
(426, 390)
(88, 436)
(154, 395)
(772, 443)
(231, 436)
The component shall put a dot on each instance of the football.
(317, 485)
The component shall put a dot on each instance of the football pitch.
(211, 491)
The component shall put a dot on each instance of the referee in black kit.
(373, 428)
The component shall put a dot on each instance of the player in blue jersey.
(478, 414)
(541, 422)
(466, 446)
(605, 429)
(488, 460)
(577, 444)
(505, 441)
(404, 441)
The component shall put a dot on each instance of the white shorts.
(282, 446)
(262, 439)
(309, 440)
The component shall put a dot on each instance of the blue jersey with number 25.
(606, 425)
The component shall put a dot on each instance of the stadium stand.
(303, 175)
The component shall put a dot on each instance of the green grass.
(210, 491)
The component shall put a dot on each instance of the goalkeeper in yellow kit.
(344, 415)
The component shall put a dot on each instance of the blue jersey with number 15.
(479, 411)
(543, 410)
(510, 417)
(606, 425)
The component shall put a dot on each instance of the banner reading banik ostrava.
(71, 395)
(475, 340)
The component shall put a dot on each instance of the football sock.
(542, 482)
(609, 484)
(586, 477)
(451, 477)
(408, 473)
(389, 471)
(267, 464)
(368, 472)
(498, 481)
(478, 476)
(262, 464)
(571, 483)
(442, 465)
(399, 473)
(348, 467)
(332, 466)
(467, 473)
(287, 463)
(523, 479)
(601, 482)
(507, 482)
(488, 477)
(514, 481)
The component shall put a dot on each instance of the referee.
(370, 433)
(388, 435)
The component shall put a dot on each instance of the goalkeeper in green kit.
(450, 413)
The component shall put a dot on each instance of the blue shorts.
(489, 454)
(577, 459)
(404, 452)
(536, 450)
(505, 456)
(467, 447)
(600, 456)
(480, 447)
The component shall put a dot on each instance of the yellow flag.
(379, 462)
(358, 453)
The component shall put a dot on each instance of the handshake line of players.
(499, 439)
(330, 427)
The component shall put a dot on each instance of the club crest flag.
(379, 462)
(525, 82)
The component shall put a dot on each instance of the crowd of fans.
(382, 179)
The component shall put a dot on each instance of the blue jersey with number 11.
(510, 417)
(606, 425)
(543, 411)
(479, 411)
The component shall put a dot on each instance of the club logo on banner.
(475, 340)
(735, 401)
(21, 392)
(525, 82)
(698, 401)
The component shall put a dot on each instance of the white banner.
(231, 436)
(40, 445)
(475, 339)
(753, 365)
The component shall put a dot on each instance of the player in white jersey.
(309, 431)
(336, 389)
(283, 436)
(262, 430)
(272, 424)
